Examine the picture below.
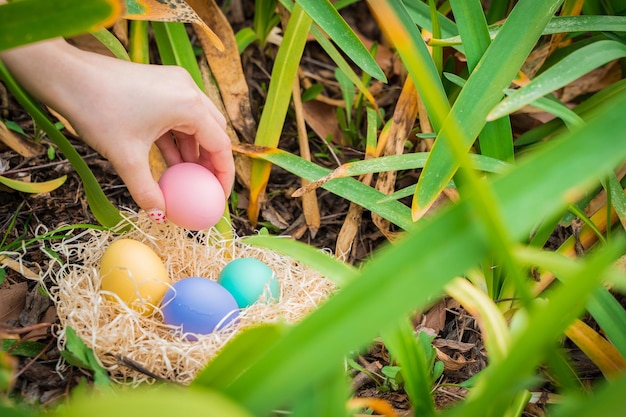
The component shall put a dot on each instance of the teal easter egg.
(249, 280)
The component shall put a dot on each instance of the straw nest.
(118, 334)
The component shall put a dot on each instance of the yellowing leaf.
(169, 11)
(598, 349)
(33, 187)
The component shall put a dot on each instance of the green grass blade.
(436, 51)
(570, 68)
(113, 44)
(473, 29)
(237, 356)
(277, 102)
(175, 48)
(415, 365)
(617, 196)
(558, 24)
(399, 163)
(554, 126)
(496, 139)
(29, 21)
(100, 206)
(535, 334)
(334, 270)
(483, 90)
(245, 37)
(327, 17)
(400, 29)
(607, 401)
(611, 317)
(139, 49)
(560, 110)
(420, 265)
(420, 14)
(33, 187)
(348, 188)
(337, 57)
(155, 402)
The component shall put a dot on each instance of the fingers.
(203, 139)
(135, 173)
(222, 165)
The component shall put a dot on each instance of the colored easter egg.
(249, 280)
(194, 198)
(199, 305)
(135, 273)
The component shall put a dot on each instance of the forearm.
(48, 70)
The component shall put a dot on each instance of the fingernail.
(157, 215)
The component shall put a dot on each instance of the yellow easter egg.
(135, 273)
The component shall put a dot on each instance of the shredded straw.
(119, 334)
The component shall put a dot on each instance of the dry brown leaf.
(452, 364)
(176, 11)
(404, 117)
(454, 345)
(88, 42)
(227, 69)
(19, 145)
(18, 267)
(242, 163)
(322, 118)
(50, 316)
(349, 229)
(435, 317)
(12, 301)
(310, 206)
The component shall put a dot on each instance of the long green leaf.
(610, 316)
(155, 402)
(558, 24)
(33, 187)
(112, 43)
(100, 206)
(536, 335)
(334, 54)
(327, 17)
(277, 102)
(498, 66)
(617, 196)
(496, 139)
(573, 66)
(334, 270)
(554, 126)
(409, 161)
(348, 188)
(237, 356)
(414, 363)
(30, 21)
(175, 48)
(394, 20)
(607, 401)
(421, 263)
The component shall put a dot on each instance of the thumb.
(143, 189)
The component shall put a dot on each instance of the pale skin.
(121, 108)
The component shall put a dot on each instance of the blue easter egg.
(199, 305)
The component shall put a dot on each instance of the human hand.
(120, 109)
